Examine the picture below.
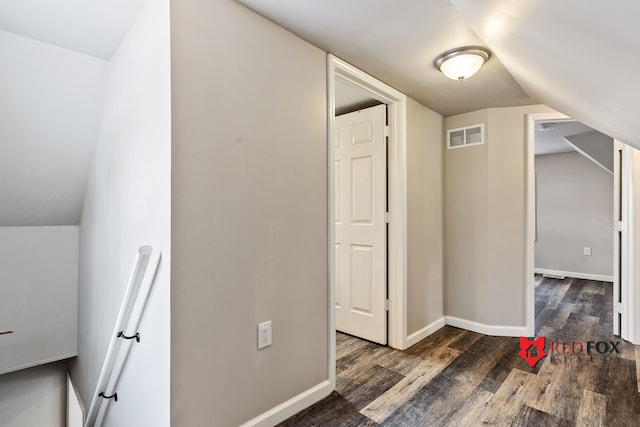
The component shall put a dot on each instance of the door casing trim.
(624, 246)
(396, 101)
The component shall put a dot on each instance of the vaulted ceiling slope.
(580, 57)
(49, 120)
(92, 27)
(54, 71)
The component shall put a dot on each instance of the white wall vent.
(466, 136)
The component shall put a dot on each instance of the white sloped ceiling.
(54, 72)
(49, 121)
(579, 57)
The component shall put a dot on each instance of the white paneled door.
(360, 207)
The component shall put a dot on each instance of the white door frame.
(624, 231)
(337, 69)
(624, 257)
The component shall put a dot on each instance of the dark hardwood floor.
(460, 378)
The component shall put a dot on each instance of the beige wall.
(574, 210)
(485, 201)
(424, 217)
(249, 214)
(465, 222)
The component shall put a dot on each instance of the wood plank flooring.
(462, 378)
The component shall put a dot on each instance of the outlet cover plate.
(264, 334)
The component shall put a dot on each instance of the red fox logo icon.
(526, 350)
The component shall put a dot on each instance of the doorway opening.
(572, 263)
(345, 75)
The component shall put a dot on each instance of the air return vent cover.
(466, 136)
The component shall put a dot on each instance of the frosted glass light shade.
(462, 63)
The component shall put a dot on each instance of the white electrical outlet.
(587, 250)
(264, 334)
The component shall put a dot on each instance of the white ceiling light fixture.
(462, 62)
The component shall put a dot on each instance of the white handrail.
(135, 298)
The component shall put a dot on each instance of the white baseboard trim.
(586, 276)
(425, 332)
(499, 331)
(291, 406)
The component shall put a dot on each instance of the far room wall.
(38, 303)
(34, 397)
(38, 296)
(574, 204)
